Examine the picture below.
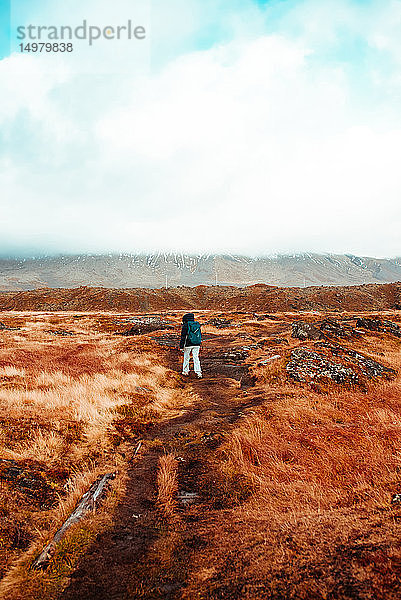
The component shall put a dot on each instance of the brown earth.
(252, 298)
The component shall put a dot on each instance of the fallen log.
(87, 503)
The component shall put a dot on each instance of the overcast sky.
(236, 126)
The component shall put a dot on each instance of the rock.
(61, 332)
(332, 361)
(369, 367)
(268, 342)
(212, 440)
(233, 371)
(306, 331)
(263, 317)
(376, 324)
(186, 498)
(333, 328)
(146, 325)
(220, 323)
(228, 364)
(171, 340)
(29, 481)
(235, 355)
(306, 366)
(327, 328)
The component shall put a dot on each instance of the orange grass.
(324, 467)
(167, 483)
(305, 478)
(62, 400)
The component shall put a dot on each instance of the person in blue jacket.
(191, 339)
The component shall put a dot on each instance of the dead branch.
(87, 503)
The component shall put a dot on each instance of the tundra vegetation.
(275, 476)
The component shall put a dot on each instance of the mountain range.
(173, 270)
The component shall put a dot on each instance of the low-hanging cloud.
(266, 142)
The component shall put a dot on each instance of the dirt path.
(141, 556)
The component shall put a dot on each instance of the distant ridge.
(254, 298)
(172, 270)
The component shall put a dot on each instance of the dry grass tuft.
(167, 483)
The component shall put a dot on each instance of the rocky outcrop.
(332, 328)
(376, 324)
(368, 366)
(306, 331)
(328, 328)
(220, 323)
(147, 325)
(307, 366)
(333, 362)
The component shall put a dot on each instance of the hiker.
(190, 343)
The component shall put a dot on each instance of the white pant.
(195, 356)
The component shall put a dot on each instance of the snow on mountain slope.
(160, 270)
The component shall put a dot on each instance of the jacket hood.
(188, 317)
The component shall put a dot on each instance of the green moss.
(68, 553)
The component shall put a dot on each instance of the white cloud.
(254, 145)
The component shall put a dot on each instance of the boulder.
(306, 331)
(334, 362)
(220, 323)
(332, 328)
(307, 366)
(368, 366)
(376, 324)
